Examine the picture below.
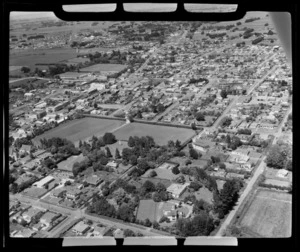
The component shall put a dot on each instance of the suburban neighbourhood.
(149, 129)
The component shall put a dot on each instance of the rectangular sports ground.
(160, 134)
(81, 129)
(270, 214)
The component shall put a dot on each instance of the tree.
(125, 213)
(289, 165)
(117, 154)
(195, 185)
(155, 224)
(193, 126)
(25, 69)
(160, 187)
(156, 197)
(200, 117)
(228, 196)
(178, 144)
(160, 108)
(109, 138)
(131, 142)
(147, 223)
(175, 170)
(193, 153)
(148, 186)
(108, 153)
(222, 166)
(276, 157)
(133, 159)
(128, 233)
(152, 174)
(223, 93)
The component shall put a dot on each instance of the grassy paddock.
(81, 129)
(269, 214)
(161, 134)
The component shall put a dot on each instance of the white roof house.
(177, 189)
(43, 181)
(282, 173)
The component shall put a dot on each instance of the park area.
(269, 215)
(160, 134)
(80, 129)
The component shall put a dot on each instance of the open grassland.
(160, 134)
(269, 214)
(81, 129)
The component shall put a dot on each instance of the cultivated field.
(161, 134)
(81, 129)
(104, 68)
(269, 214)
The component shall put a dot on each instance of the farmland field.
(81, 129)
(161, 134)
(269, 215)
(46, 56)
(104, 68)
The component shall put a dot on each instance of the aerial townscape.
(147, 128)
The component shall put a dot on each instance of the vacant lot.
(81, 129)
(161, 134)
(269, 214)
(67, 164)
(104, 68)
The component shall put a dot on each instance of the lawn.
(104, 68)
(81, 129)
(161, 134)
(67, 164)
(163, 174)
(202, 193)
(147, 209)
(270, 214)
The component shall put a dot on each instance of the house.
(31, 164)
(25, 149)
(176, 190)
(26, 233)
(31, 214)
(59, 192)
(37, 227)
(202, 144)
(112, 164)
(232, 175)
(48, 218)
(73, 193)
(98, 231)
(80, 228)
(93, 180)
